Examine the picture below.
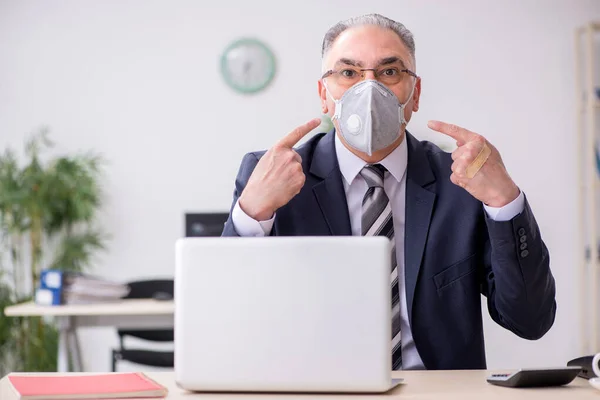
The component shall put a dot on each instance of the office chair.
(143, 290)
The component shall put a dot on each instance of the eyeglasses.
(388, 75)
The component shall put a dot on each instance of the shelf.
(594, 25)
(588, 103)
(585, 108)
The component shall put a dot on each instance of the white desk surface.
(451, 385)
(121, 307)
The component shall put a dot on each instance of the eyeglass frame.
(363, 70)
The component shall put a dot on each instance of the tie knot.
(373, 174)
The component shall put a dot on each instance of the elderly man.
(460, 225)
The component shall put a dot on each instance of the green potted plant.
(48, 209)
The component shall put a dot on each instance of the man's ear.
(417, 95)
(322, 96)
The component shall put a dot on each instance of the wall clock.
(248, 65)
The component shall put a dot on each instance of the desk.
(128, 314)
(450, 385)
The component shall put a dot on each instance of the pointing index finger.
(294, 136)
(456, 132)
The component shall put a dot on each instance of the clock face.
(248, 65)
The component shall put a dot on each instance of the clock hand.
(247, 67)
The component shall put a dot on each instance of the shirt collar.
(351, 165)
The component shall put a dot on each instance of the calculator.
(536, 377)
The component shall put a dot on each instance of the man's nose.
(369, 74)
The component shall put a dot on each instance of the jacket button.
(521, 231)
(523, 246)
(524, 253)
(523, 239)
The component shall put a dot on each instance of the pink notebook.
(101, 386)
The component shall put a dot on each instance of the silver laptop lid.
(283, 314)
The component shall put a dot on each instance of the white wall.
(139, 82)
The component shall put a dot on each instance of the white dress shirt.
(395, 187)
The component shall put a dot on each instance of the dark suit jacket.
(453, 252)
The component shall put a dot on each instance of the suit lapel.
(329, 192)
(420, 199)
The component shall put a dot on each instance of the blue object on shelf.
(49, 292)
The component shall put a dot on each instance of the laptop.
(283, 314)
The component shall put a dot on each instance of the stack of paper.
(79, 288)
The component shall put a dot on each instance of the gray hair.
(370, 19)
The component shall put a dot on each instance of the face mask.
(369, 116)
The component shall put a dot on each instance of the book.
(124, 385)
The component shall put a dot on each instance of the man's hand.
(277, 177)
(478, 167)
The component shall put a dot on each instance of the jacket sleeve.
(246, 168)
(518, 283)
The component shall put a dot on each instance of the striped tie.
(377, 221)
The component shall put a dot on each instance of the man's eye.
(390, 72)
(348, 73)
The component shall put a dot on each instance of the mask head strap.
(338, 104)
(401, 108)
